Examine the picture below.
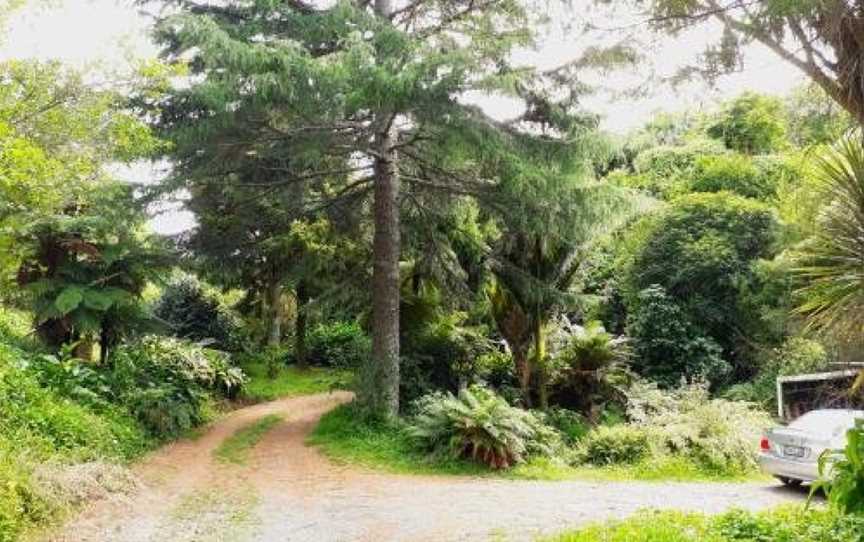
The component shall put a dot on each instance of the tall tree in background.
(355, 92)
(822, 39)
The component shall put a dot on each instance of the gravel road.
(287, 491)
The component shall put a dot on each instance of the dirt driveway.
(290, 492)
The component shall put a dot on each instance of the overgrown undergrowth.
(346, 437)
(38, 426)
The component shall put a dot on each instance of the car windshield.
(827, 422)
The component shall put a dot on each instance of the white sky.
(112, 33)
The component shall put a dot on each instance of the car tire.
(789, 482)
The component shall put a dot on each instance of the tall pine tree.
(362, 99)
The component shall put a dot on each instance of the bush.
(440, 350)
(733, 173)
(751, 123)
(193, 313)
(39, 424)
(570, 424)
(716, 434)
(610, 445)
(667, 347)
(701, 251)
(342, 345)
(481, 426)
(165, 382)
(842, 473)
(587, 366)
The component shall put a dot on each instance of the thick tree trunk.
(384, 376)
(300, 326)
(274, 298)
(381, 393)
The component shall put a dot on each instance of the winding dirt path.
(290, 492)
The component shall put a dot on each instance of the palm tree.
(536, 260)
(832, 261)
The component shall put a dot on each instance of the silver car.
(791, 453)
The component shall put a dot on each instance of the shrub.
(338, 344)
(440, 350)
(165, 382)
(716, 434)
(609, 445)
(481, 426)
(701, 251)
(40, 424)
(667, 347)
(841, 473)
(193, 313)
(733, 173)
(570, 424)
(587, 366)
(796, 356)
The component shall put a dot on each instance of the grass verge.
(346, 438)
(235, 449)
(291, 381)
(783, 524)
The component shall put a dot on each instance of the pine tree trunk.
(274, 295)
(300, 326)
(382, 385)
(384, 376)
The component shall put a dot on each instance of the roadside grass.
(669, 469)
(782, 524)
(235, 449)
(346, 438)
(290, 382)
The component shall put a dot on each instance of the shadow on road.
(802, 491)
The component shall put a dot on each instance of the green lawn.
(347, 439)
(290, 382)
(235, 448)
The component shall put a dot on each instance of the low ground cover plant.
(786, 524)
(481, 426)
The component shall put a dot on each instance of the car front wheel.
(790, 482)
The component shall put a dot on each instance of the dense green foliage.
(190, 312)
(830, 262)
(479, 425)
(40, 424)
(752, 124)
(538, 296)
(842, 473)
(342, 345)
